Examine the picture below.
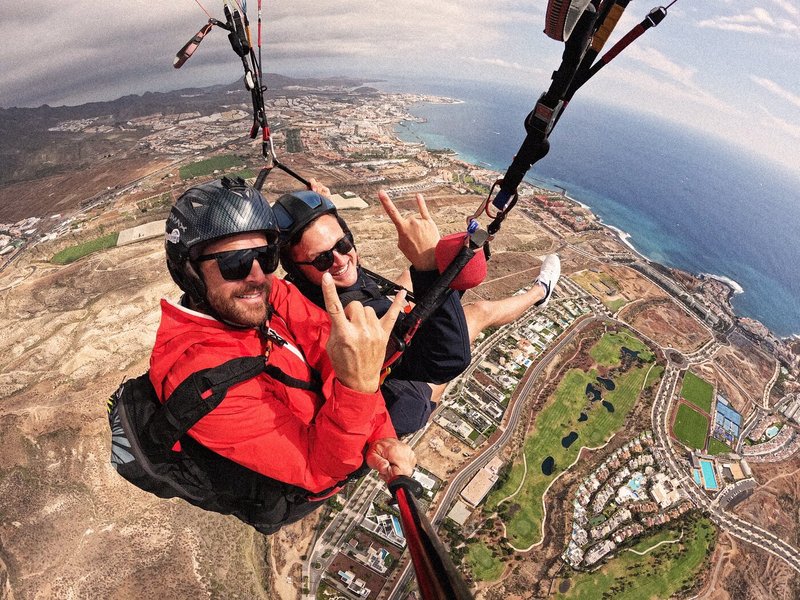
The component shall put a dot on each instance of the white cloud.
(787, 7)
(785, 127)
(654, 59)
(692, 106)
(94, 51)
(737, 27)
(79, 49)
(756, 21)
(777, 90)
(106, 41)
(504, 64)
(670, 98)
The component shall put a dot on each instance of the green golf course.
(569, 421)
(663, 563)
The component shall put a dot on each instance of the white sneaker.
(548, 277)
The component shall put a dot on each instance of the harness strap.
(198, 395)
(386, 286)
(363, 292)
(203, 391)
(315, 385)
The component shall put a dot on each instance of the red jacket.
(304, 438)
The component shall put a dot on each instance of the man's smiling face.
(319, 237)
(243, 301)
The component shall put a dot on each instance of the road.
(462, 477)
(339, 527)
(678, 468)
(676, 463)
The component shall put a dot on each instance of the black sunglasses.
(324, 260)
(236, 264)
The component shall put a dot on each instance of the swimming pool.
(398, 530)
(636, 482)
(696, 473)
(709, 478)
(772, 431)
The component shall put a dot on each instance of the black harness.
(145, 432)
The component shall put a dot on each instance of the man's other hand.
(417, 235)
(357, 343)
(390, 458)
(321, 189)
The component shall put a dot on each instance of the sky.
(727, 68)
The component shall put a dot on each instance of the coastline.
(624, 237)
(737, 289)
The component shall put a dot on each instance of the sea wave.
(737, 289)
(587, 207)
(624, 237)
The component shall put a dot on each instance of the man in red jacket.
(312, 420)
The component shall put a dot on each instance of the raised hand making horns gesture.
(357, 343)
(417, 235)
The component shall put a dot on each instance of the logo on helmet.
(174, 236)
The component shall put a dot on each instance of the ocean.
(682, 199)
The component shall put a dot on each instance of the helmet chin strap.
(196, 292)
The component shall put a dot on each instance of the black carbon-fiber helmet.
(294, 212)
(209, 212)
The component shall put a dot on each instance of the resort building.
(354, 584)
(476, 490)
(371, 556)
(386, 526)
(459, 513)
(598, 551)
(665, 491)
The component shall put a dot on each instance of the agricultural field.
(658, 566)
(568, 421)
(697, 391)
(217, 163)
(73, 253)
(690, 427)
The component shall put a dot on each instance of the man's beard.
(246, 314)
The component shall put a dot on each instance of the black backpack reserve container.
(144, 432)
